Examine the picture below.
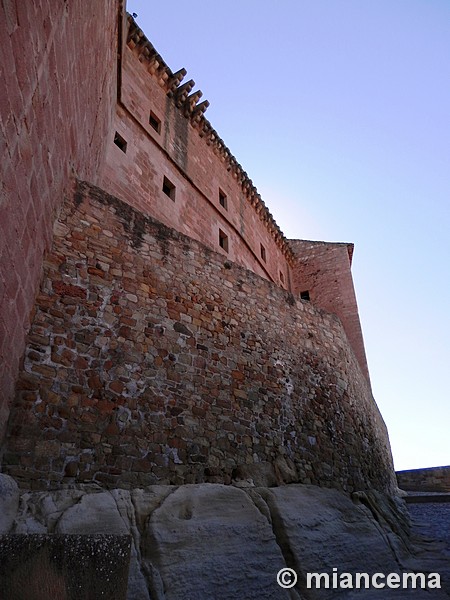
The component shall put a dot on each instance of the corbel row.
(212, 138)
(237, 172)
(146, 53)
(188, 102)
(174, 81)
(171, 82)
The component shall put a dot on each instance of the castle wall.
(57, 85)
(435, 479)
(152, 359)
(193, 165)
(323, 269)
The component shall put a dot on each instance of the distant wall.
(435, 479)
(152, 359)
(193, 163)
(323, 269)
(57, 85)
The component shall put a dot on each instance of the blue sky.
(339, 112)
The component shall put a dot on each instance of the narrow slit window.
(155, 123)
(168, 188)
(120, 142)
(305, 295)
(281, 277)
(223, 200)
(263, 253)
(223, 240)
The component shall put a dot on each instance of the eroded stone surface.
(208, 541)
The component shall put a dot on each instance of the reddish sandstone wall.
(323, 269)
(57, 86)
(193, 164)
(152, 359)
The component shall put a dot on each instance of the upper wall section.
(151, 359)
(171, 164)
(57, 90)
(165, 159)
(322, 273)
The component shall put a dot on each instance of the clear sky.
(339, 111)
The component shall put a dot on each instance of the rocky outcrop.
(224, 542)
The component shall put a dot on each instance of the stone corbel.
(182, 92)
(134, 34)
(174, 81)
(190, 102)
(199, 111)
(205, 129)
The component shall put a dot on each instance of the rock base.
(197, 542)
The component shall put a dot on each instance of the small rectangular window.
(120, 142)
(223, 200)
(155, 122)
(223, 240)
(263, 253)
(305, 295)
(168, 188)
(281, 277)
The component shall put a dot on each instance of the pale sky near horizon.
(339, 111)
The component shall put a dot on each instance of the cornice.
(188, 103)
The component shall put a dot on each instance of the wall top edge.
(188, 103)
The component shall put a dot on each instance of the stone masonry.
(163, 135)
(152, 359)
(158, 328)
(434, 479)
(182, 147)
(53, 124)
(324, 270)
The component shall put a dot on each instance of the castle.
(156, 325)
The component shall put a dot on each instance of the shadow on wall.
(151, 361)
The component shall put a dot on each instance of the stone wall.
(434, 479)
(52, 124)
(153, 359)
(323, 270)
(183, 149)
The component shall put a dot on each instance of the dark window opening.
(223, 200)
(168, 188)
(263, 253)
(155, 122)
(281, 277)
(305, 295)
(120, 142)
(223, 240)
